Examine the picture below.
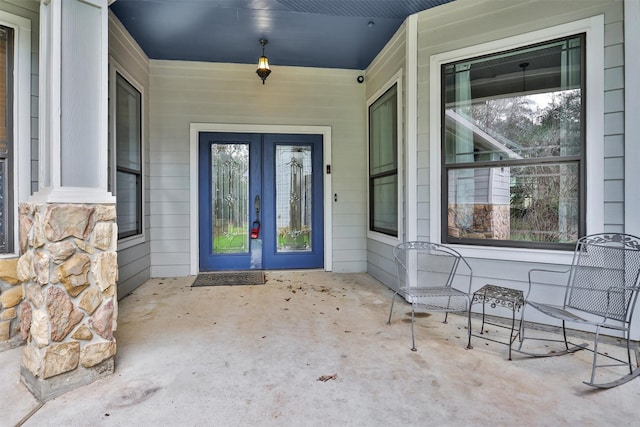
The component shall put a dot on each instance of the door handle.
(256, 205)
(255, 228)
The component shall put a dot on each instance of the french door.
(260, 201)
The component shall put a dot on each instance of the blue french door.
(260, 201)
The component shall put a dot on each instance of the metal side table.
(497, 296)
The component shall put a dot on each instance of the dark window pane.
(128, 131)
(536, 203)
(383, 131)
(127, 206)
(384, 194)
(517, 105)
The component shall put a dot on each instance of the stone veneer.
(10, 298)
(68, 271)
(484, 221)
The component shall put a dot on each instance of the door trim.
(194, 131)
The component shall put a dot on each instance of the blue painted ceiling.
(308, 33)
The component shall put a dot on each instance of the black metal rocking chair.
(602, 290)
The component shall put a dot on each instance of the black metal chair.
(426, 274)
(602, 290)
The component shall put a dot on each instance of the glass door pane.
(294, 198)
(229, 198)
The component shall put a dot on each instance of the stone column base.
(50, 388)
(68, 271)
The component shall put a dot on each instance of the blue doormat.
(230, 278)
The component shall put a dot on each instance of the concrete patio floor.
(253, 355)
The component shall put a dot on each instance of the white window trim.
(374, 235)
(632, 106)
(114, 67)
(21, 118)
(594, 29)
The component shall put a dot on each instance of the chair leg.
(564, 335)
(595, 354)
(413, 336)
(469, 326)
(393, 300)
(446, 313)
(513, 325)
(469, 346)
(633, 373)
(629, 352)
(521, 335)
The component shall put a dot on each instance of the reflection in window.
(513, 146)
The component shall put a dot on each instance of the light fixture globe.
(263, 70)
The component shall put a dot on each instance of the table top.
(499, 294)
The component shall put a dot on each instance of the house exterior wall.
(475, 26)
(193, 92)
(467, 23)
(464, 24)
(134, 255)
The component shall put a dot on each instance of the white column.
(73, 102)
(631, 122)
(411, 117)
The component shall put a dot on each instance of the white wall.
(134, 257)
(196, 92)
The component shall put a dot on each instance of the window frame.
(21, 139)
(395, 80)
(7, 171)
(117, 70)
(594, 134)
(560, 160)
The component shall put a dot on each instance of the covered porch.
(254, 355)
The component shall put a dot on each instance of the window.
(513, 147)
(6, 140)
(383, 163)
(128, 155)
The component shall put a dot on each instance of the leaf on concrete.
(325, 378)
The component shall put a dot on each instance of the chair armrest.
(619, 290)
(535, 271)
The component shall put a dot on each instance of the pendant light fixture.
(263, 70)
